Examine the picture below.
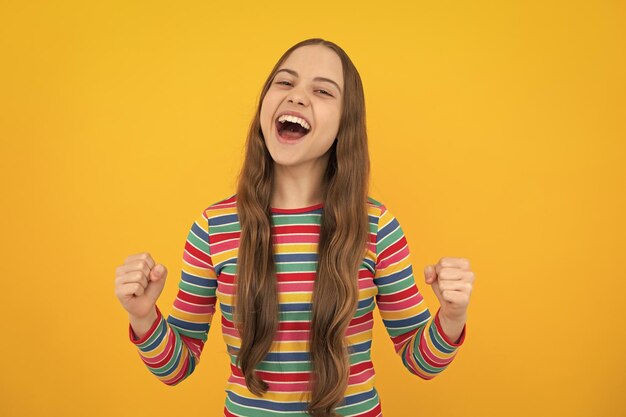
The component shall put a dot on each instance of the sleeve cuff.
(443, 335)
(136, 340)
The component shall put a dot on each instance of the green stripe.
(194, 289)
(359, 408)
(160, 329)
(197, 242)
(309, 219)
(296, 267)
(225, 228)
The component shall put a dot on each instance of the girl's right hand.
(138, 284)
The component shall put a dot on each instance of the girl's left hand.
(452, 280)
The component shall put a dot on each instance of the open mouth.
(292, 127)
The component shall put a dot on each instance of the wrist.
(142, 325)
(454, 319)
(452, 329)
(151, 315)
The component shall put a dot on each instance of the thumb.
(429, 274)
(157, 273)
(157, 282)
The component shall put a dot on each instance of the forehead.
(312, 61)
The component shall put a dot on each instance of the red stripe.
(393, 248)
(196, 253)
(360, 367)
(363, 319)
(402, 337)
(294, 325)
(228, 413)
(296, 276)
(220, 237)
(195, 299)
(281, 230)
(399, 296)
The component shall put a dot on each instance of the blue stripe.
(203, 282)
(389, 228)
(295, 307)
(220, 266)
(364, 303)
(411, 321)
(224, 219)
(396, 276)
(162, 331)
(296, 257)
(369, 264)
(198, 327)
(266, 404)
(200, 232)
(438, 345)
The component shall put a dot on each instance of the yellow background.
(497, 133)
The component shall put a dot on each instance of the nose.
(298, 97)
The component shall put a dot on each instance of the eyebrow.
(295, 74)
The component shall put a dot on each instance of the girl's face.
(308, 86)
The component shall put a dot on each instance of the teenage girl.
(298, 258)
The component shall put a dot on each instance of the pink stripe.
(191, 260)
(225, 246)
(395, 258)
(291, 387)
(193, 308)
(412, 301)
(359, 328)
(230, 331)
(169, 345)
(292, 335)
(362, 377)
(296, 238)
(295, 287)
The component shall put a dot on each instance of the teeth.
(294, 119)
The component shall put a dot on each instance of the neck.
(298, 186)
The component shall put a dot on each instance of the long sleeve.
(171, 348)
(417, 337)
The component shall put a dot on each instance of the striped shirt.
(171, 348)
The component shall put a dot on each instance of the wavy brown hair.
(343, 235)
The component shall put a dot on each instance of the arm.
(171, 348)
(418, 338)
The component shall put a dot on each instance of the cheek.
(266, 116)
(334, 120)
(268, 108)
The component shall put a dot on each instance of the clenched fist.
(138, 284)
(452, 281)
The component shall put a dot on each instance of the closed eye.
(288, 83)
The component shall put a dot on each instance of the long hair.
(343, 235)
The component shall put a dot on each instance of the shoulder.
(221, 211)
(226, 205)
(380, 215)
(375, 208)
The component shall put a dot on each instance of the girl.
(298, 258)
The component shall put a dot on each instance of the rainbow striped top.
(171, 348)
